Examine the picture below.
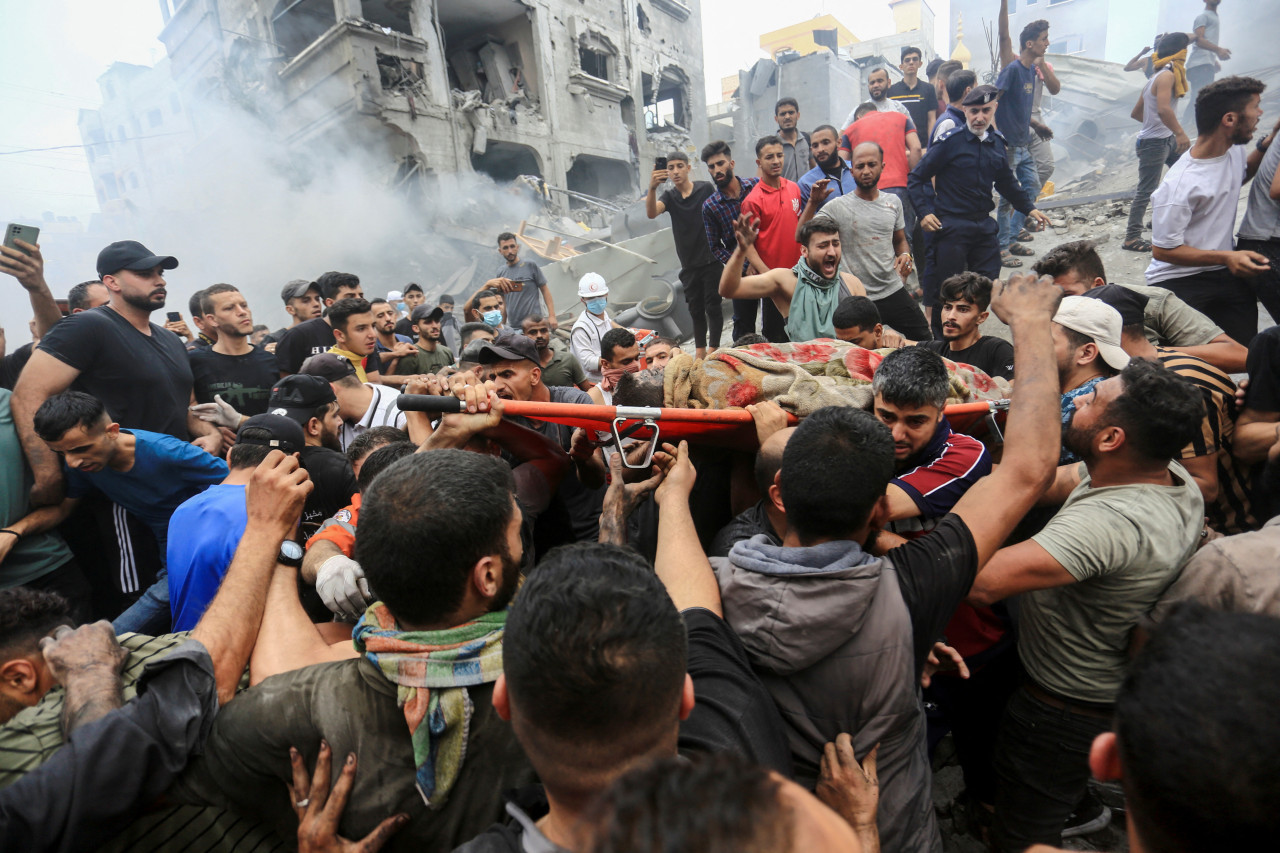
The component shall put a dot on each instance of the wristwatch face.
(290, 550)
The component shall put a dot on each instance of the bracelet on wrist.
(15, 534)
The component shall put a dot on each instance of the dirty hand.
(277, 491)
(622, 497)
(943, 657)
(1025, 297)
(581, 447)
(769, 418)
(72, 649)
(1246, 264)
(679, 475)
(931, 223)
(341, 585)
(850, 788)
(746, 228)
(319, 810)
(219, 412)
(27, 268)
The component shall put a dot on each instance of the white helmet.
(592, 284)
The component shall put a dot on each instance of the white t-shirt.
(382, 411)
(1195, 206)
(584, 341)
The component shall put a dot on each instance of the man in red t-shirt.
(897, 137)
(775, 202)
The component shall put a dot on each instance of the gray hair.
(912, 377)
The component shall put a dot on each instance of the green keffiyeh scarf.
(432, 670)
(813, 304)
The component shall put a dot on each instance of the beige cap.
(1097, 320)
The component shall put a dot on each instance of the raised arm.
(732, 283)
(26, 264)
(652, 207)
(1138, 61)
(43, 377)
(1007, 53)
(680, 562)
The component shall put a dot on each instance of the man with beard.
(1194, 212)
(964, 166)
(805, 295)
(775, 203)
(878, 89)
(719, 213)
(797, 157)
(523, 281)
(965, 298)
(1086, 344)
(699, 270)
(430, 355)
(389, 346)
(116, 354)
(558, 366)
(310, 401)
(232, 369)
(873, 240)
(1132, 516)
(831, 168)
(619, 354)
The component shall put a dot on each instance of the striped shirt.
(1232, 512)
(938, 476)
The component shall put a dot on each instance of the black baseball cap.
(509, 346)
(298, 396)
(412, 286)
(1131, 304)
(286, 433)
(296, 288)
(131, 255)
(423, 312)
(328, 366)
(980, 95)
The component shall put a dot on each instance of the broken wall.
(826, 87)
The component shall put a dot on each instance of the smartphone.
(27, 233)
(658, 165)
(174, 316)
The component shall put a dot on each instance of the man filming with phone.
(20, 257)
(699, 269)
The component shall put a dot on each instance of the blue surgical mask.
(597, 305)
(493, 318)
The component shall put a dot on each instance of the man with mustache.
(965, 299)
(719, 213)
(824, 142)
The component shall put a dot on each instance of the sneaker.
(1090, 816)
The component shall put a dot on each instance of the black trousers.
(1266, 286)
(961, 245)
(702, 295)
(1226, 300)
(900, 311)
(69, 582)
(773, 324)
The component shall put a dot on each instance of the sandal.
(1021, 250)
(1008, 260)
(1024, 236)
(1136, 244)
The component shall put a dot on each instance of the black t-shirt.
(935, 573)
(335, 483)
(144, 380)
(992, 355)
(12, 366)
(686, 224)
(1263, 367)
(918, 101)
(244, 381)
(404, 326)
(734, 712)
(274, 337)
(301, 342)
(750, 522)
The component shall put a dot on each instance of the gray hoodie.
(829, 634)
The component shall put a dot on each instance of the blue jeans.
(1023, 163)
(150, 613)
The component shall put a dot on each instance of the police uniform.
(965, 168)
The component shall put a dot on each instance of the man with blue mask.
(592, 324)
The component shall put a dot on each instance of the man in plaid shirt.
(718, 215)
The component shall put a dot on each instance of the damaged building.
(581, 94)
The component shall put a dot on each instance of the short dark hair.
(879, 69)
(678, 155)
(750, 339)
(1228, 95)
(78, 297)
(765, 141)
(914, 377)
(642, 388)
(967, 286)
(381, 459)
(66, 411)
(766, 468)
(505, 236)
(837, 464)
(817, 225)
(26, 616)
(340, 312)
(194, 305)
(489, 292)
(206, 301)
(371, 439)
(711, 149)
(590, 624)
(856, 312)
(863, 109)
(424, 524)
(1159, 411)
(718, 803)
(1218, 789)
(615, 339)
(331, 282)
(378, 300)
(1031, 32)
(534, 318)
(960, 82)
(1172, 43)
(784, 102)
(822, 127)
(466, 330)
(1078, 256)
(931, 70)
(946, 69)
(907, 51)
(249, 455)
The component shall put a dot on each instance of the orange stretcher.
(725, 427)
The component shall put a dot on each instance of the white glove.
(342, 587)
(218, 412)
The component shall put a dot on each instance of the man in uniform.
(966, 163)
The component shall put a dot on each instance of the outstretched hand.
(746, 228)
(679, 475)
(319, 809)
(1025, 297)
(850, 788)
(277, 492)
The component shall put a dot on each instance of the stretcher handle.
(428, 403)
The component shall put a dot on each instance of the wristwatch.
(1263, 144)
(290, 554)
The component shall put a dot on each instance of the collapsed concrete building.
(581, 94)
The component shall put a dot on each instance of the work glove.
(342, 586)
(219, 412)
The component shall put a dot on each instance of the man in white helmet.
(592, 323)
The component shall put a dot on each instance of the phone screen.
(174, 317)
(660, 164)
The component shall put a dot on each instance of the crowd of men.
(332, 618)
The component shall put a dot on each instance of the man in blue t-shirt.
(205, 530)
(147, 473)
(1017, 84)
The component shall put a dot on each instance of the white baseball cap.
(394, 296)
(592, 284)
(1098, 320)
